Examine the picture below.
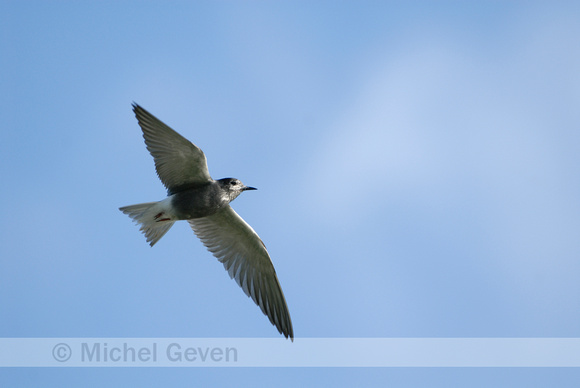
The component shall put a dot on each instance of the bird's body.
(199, 202)
(204, 202)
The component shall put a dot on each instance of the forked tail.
(152, 218)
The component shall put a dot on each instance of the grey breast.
(198, 202)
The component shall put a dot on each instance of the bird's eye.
(233, 183)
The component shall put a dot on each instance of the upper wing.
(178, 162)
(244, 256)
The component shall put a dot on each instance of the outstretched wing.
(179, 163)
(244, 256)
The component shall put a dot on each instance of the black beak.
(249, 188)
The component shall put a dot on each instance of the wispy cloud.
(445, 126)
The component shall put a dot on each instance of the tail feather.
(150, 216)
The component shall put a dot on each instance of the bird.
(193, 196)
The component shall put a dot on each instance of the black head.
(233, 187)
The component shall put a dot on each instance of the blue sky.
(417, 163)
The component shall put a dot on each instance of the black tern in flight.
(193, 195)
